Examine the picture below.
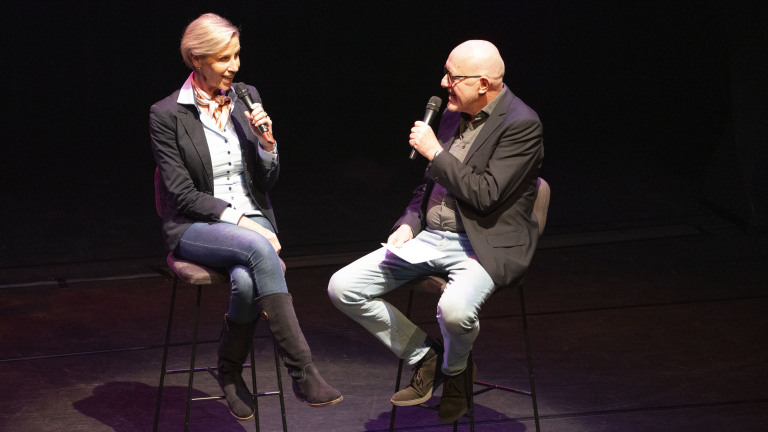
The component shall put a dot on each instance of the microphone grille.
(434, 103)
(240, 90)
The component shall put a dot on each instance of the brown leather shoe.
(427, 377)
(456, 388)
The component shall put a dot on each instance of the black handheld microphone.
(432, 108)
(245, 96)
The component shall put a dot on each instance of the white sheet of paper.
(414, 252)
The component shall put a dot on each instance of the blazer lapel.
(495, 119)
(189, 119)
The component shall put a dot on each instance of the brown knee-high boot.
(235, 344)
(308, 385)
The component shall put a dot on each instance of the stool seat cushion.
(196, 274)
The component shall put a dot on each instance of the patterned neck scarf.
(218, 108)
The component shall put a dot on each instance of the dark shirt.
(442, 211)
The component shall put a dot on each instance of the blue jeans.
(254, 266)
(356, 290)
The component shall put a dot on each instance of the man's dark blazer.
(495, 187)
(185, 180)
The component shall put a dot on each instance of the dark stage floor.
(657, 328)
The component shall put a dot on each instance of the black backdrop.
(633, 96)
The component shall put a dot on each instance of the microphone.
(245, 96)
(433, 106)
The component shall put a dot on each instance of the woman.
(215, 167)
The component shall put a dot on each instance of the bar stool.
(194, 274)
(435, 284)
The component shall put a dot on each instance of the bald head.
(474, 76)
(479, 57)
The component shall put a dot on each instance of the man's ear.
(484, 85)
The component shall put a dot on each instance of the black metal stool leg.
(471, 394)
(529, 358)
(255, 390)
(280, 386)
(192, 359)
(397, 388)
(165, 355)
(400, 367)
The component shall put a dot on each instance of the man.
(475, 206)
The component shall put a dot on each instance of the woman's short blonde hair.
(206, 35)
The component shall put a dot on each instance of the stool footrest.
(259, 394)
(490, 387)
(201, 369)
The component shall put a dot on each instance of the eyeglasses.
(452, 78)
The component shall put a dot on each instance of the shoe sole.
(321, 404)
(412, 402)
(242, 418)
